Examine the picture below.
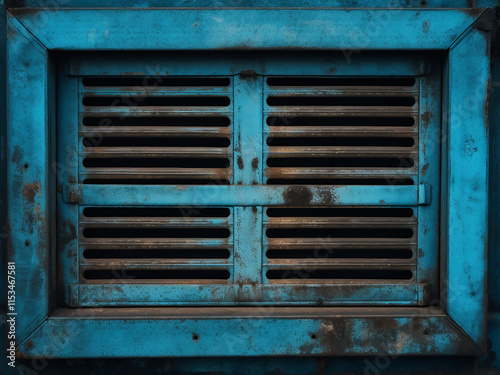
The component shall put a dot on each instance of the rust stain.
(423, 171)
(255, 163)
(240, 162)
(30, 190)
(299, 195)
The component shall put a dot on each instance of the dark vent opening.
(197, 274)
(339, 274)
(342, 181)
(156, 212)
(157, 254)
(156, 142)
(338, 212)
(358, 232)
(149, 181)
(339, 121)
(341, 141)
(333, 253)
(337, 81)
(157, 101)
(152, 81)
(324, 101)
(353, 162)
(156, 233)
(156, 162)
(158, 121)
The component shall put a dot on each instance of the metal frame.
(455, 325)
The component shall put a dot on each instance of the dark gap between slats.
(325, 101)
(157, 254)
(152, 81)
(197, 274)
(332, 253)
(156, 232)
(339, 274)
(353, 162)
(156, 162)
(338, 212)
(358, 232)
(158, 121)
(339, 121)
(337, 81)
(156, 212)
(139, 141)
(157, 101)
(341, 141)
(342, 181)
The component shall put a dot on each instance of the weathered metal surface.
(446, 337)
(176, 29)
(465, 171)
(257, 3)
(29, 198)
(221, 195)
(244, 331)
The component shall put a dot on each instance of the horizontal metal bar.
(337, 172)
(154, 152)
(341, 131)
(332, 243)
(153, 222)
(158, 173)
(244, 195)
(332, 151)
(307, 265)
(153, 131)
(156, 111)
(426, 331)
(184, 29)
(338, 221)
(374, 294)
(152, 90)
(154, 263)
(149, 264)
(341, 91)
(337, 110)
(340, 263)
(153, 243)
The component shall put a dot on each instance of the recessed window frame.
(456, 321)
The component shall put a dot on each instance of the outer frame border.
(42, 330)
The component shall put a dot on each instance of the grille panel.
(156, 245)
(332, 245)
(341, 130)
(158, 130)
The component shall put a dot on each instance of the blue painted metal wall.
(369, 365)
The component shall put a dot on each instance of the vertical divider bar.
(429, 174)
(248, 130)
(248, 171)
(248, 245)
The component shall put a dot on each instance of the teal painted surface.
(444, 346)
(259, 3)
(466, 169)
(348, 30)
(29, 175)
(264, 332)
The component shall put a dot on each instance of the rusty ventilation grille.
(156, 130)
(336, 245)
(156, 245)
(341, 131)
